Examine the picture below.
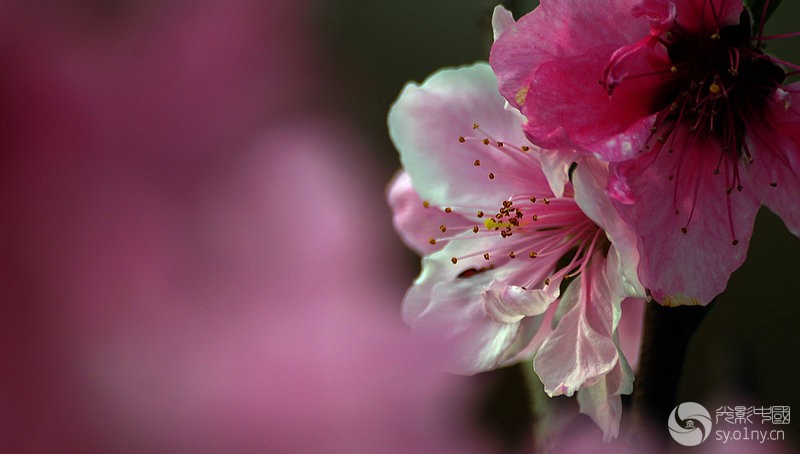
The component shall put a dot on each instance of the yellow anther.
(491, 224)
(715, 88)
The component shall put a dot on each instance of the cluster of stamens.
(532, 226)
(718, 83)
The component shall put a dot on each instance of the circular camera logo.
(689, 424)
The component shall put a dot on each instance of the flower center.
(533, 226)
(715, 83)
(720, 78)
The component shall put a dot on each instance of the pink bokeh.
(188, 262)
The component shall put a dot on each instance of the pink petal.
(451, 311)
(549, 32)
(629, 329)
(773, 153)
(704, 15)
(414, 223)
(511, 303)
(426, 122)
(614, 127)
(777, 128)
(555, 165)
(660, 13)
(602, 402)
(693, 267)
(580, 350)
(590, 178)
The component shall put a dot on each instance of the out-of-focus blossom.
(181, 269)
(498, 243)
(691, 114)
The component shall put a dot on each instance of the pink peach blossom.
(690, 113)
(497, 244)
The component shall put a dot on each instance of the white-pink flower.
(499, 241)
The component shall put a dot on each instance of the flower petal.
(590, 179)
(614, 127)
(447, 306)
(416, 224)
(629, 329)
(692, 267)
(775, 138)
(556, 165)
(580, 350)
(502, 20)
(549, 33)
(602, 402)
(426, 122)
(511, 303)
(698, 16)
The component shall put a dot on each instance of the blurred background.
(197, 255)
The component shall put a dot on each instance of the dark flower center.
(721, 80)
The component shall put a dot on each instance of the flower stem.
(667, 333)
(540, 407)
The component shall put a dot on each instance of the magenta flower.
(691, 114)
(498, 244)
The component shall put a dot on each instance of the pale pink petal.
(447, 305)
(416, 224)
(426, 122)
(602, 402)
(511, 303)
(581, 349)
(502, 20)
(555, 165)
(590, 178)
(629, 329)
(693, 267)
